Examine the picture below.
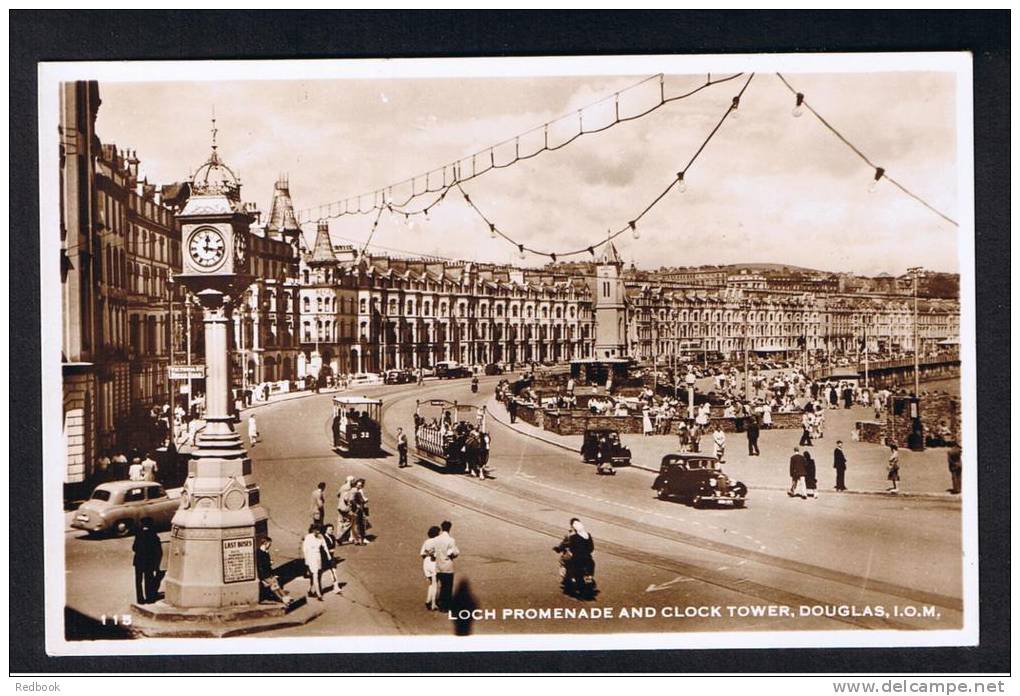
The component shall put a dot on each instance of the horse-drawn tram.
(356, 426)
(451, 435)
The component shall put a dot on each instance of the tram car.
(448, 434)
(356, 426)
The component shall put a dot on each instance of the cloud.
(767, 188)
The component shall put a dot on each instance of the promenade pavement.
(921, 473)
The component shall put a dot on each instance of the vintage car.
(450, 369)
(362, 379)
(118, 507)
(493, 369)
(398, 377)
(618, 454)
(696, 479)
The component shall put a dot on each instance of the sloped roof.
(281, 211)
(322, 251)
(611, 255)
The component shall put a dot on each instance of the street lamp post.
(690, 379)
(914, 272)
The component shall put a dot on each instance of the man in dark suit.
(798, 469)
(148, 554)
(752, 436)
(839, 464)
(511, 408)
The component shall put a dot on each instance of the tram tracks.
(718, 577)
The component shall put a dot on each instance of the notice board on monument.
(239, 559)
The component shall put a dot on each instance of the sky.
(768, 188)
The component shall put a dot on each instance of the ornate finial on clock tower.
(214, 128)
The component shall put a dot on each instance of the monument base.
(162, 620)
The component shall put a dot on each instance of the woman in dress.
(810, 475)
(894, 468)
(311, 549)
(646, 422)
(328, 557)
(428, 567)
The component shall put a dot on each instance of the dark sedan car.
(696, 479)
(398, 377)
(615, 452)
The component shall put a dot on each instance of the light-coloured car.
(363, 378)
(118, 507)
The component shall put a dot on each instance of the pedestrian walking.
(318, 506)
(253, 430)
(149, 468)
(684, 435)
(401, 448)
(484, 454)
(311, 550)
(269, 583)
(120, 466)
(577, 566)
(839, 464)
(446, 551)
(955, 460)
(148, 554)
(719, 443)
(752, 436)
(511, 408)
(798, 468)
(329, 556)
(135, 472)
(345, 519)
(359, 512)
(810, 475)
(646, 422)
(766, 416)
(894, 468)
(428, 567)
(805, 424)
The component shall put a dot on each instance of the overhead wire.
(632, 224)
(455, 168)
(880, 172)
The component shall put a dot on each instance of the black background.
(121, 35)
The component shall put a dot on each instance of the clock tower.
(217, 528)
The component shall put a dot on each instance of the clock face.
(240, 249)
(207, 247)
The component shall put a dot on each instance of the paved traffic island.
(922, 474)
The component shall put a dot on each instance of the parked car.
(696, 479)
(450, 369)
(493, 369)
(118, 507)
(618, 454)
(363, 378)
(398, 377)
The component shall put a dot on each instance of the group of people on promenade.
(319, 545)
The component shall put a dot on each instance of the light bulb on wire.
(492, 230)
(735, 108)
(798, 110)
(682, 185)
(634, 230)
(520, 248)
(879, 173)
